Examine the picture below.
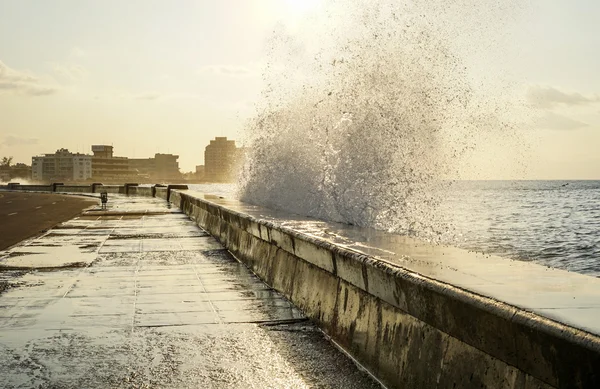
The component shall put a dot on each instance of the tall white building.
(82, 167)
(62, 165)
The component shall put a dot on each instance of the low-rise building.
(107, 167)
(103, 166)
(62, 165)
(161, 167)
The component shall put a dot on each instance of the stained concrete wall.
(30, 188)
(132, 189)
(74, 188)
(116, 189)
(161, 192)
(409, 330)
(34, 188)
(140, 191)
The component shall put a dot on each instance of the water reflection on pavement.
(139, 297)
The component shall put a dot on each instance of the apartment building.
(63, 165)
(221, 160)
(107, 167)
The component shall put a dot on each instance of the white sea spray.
(366, 115)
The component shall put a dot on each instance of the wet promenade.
(138, 296)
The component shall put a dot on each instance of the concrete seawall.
(74, 188)
(140, 191)
(409, 328)
(62, 188)
(34, 188)
(160, 192)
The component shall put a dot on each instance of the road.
(23, 215)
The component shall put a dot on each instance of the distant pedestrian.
(104, 199)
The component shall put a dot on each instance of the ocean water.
(553, 223)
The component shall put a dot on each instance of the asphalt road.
(23, 215)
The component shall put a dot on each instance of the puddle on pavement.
(32, 257)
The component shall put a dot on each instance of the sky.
(151, 76)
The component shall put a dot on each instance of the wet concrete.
(137, 296)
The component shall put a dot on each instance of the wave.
(364, 115)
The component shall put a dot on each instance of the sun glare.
(301, 6)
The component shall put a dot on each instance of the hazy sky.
(167, 76)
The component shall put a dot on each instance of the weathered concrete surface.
(140, 191)
(33, 188)
(137, 297)
(397, 305)
(23, 215)
(161, 192)
(74, 188)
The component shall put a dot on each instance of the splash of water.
(20, 180)
(363, 119)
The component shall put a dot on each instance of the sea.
(553, 223)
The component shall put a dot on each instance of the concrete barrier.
(154, 189)
(33, 188)
(171, 187)
(128, 186)
(129, 189)
(74, 188)
(140, 191)
(95, 185)
(115, 189)
(409, 330)
(161, 192)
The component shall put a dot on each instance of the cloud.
(77, 52)
(548, 97)
(226, 70)
(554, 121)
(40, 91)
(22, 83)
(148, 96)
(69, 72)
(11, 140)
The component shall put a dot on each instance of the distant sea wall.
(409, 330)
(59, 187)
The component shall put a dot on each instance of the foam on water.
(367, 111)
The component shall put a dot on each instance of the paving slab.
(136, 296)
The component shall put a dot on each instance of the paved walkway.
(139, 297)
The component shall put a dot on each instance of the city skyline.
(154, 78)
(222, 159)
